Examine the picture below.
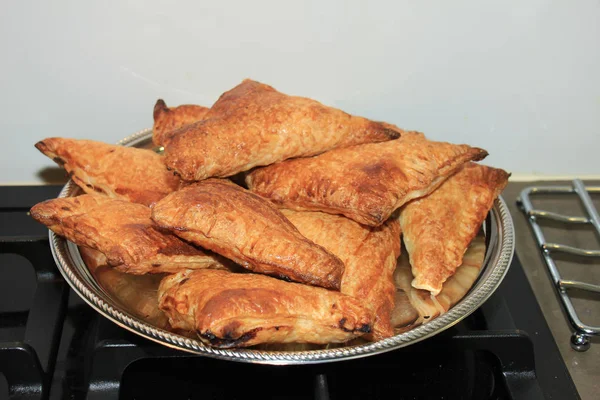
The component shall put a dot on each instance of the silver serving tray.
(140, 315)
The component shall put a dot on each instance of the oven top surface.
(88, 341)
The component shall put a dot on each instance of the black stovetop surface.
(53, 345)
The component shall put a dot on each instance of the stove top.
(53, 345)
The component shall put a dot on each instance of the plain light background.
(518, 78)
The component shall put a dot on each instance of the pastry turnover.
(438, 228)
(253, 124)
(137, 175)
(365, 183)
(167, 120)
(453, 290)
(235, 310)
(369, 255)
(123, 232)
(227, 219)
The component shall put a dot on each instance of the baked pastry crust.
(369, 255)
(128, 173)
(123, 232)
(229, 220)
(438, 228)
(167, 120)
(453, 290)
(365, 183)
(253, 124)
(237, 310)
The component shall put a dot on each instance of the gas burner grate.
(502, 350)
(460, 363)
(580, 340)
(27, 359)
(34, 297)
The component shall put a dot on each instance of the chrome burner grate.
(580, 340)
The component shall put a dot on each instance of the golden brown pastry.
(92, 258)
(454, 289)
(457, 286)
(123, 232)
(369, 255)
(365, 183)
(236, 310)
(253, 124)
(438, 228)
(229, 220)
(168, 120)
(128, 173)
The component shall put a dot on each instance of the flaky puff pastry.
(237, 310)
(123, 232)
(229, 220)
(253, 124)
(137, 175)
(369, 255)
(453, 290)
(365, 183)
(167, 120)
(438, 228)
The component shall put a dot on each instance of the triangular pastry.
(453, 290)
(253, 124)
(438, 228)
(365, 183)
(137, 175)
(123, 232)
(229, 220)
(369, 255)
(229, 310)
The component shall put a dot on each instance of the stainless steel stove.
(52, 345)
(584, 367)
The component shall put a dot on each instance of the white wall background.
(519, 78)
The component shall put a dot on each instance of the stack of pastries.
(275, 219)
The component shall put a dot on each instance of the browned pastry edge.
(237, 310)
(369, 255)
(220, 216)
(129, 173)
(427, 306)
(123, 232)
(438, 228)
(253, 124)
(365, 183)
